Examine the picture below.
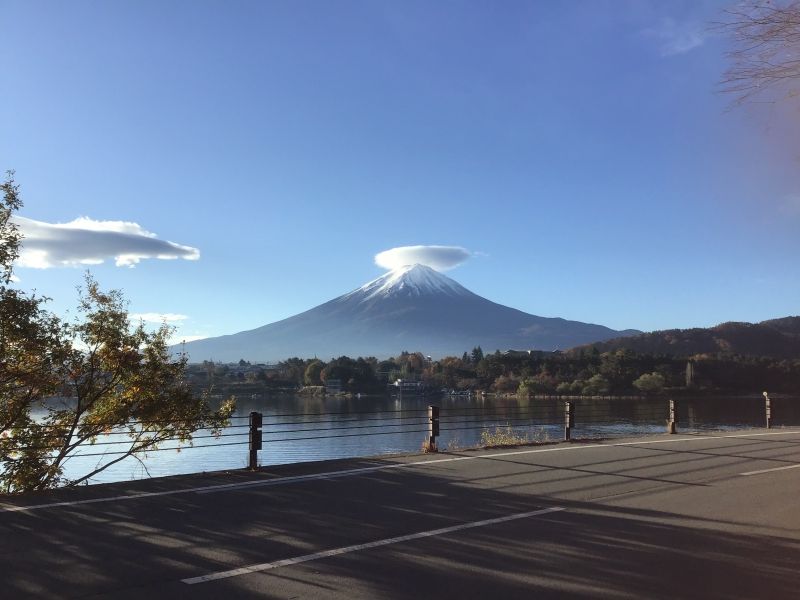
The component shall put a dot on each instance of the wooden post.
(256, 420)
(569, 420)
(672, 423)
(433, 428)
(768, 407)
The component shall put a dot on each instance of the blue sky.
(579, 150)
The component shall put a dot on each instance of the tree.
(618, 367)
(119, 381)
(293, 369)
(357, 375)
(765, 58)
(506, 383)
(564, 388)
(650, 383)
(477, 354)
(596, 385)
(411, 364)
(313, 373)
(386, 369)
(254, 375)
(32, 346)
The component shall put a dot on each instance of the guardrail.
(408, 429)
(458, 419)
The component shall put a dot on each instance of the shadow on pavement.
(144, 547)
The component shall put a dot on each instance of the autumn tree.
(32, 349)
(118, 383)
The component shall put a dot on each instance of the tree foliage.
(115, 381)
(477, 354)
(650, 383)
(313, 373)
(596, 385)
(354, 374)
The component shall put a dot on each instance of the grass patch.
(504, 437)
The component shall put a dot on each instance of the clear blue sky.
(579, 149)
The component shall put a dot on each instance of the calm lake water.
(298, 429)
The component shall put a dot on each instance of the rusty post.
(672, 423)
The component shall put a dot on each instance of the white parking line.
(770, 470)
(224, 487)
(425, 463)
(347, 549)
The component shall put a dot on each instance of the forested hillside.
(777, 338)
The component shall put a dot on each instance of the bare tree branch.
(765, 57)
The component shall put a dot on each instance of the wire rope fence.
(261, 438)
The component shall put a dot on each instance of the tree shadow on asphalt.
(145, 546)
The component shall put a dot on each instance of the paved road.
(686, 516)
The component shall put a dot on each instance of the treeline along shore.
(583, 371)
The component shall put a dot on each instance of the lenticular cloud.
(441, 258)
(85, 241)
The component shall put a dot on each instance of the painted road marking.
(347, 549)
(770, 470)
(359, 471)
(206, 489)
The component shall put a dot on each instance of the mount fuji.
(412, 308)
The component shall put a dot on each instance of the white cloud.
(158, 317)
(441, 258)
(677, 37)
(85, 241)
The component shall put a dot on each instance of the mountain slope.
(411, 308)
(777, 338)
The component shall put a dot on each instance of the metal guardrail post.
(569, 420)
(768, 408)
(672, 422)
(256, 421)
(433, 428)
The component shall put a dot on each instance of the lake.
(299, 429)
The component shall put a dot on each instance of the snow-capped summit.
(410, 280)
(412, 308)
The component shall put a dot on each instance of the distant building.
(408, 386)
(333, 386)
(519, 352)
